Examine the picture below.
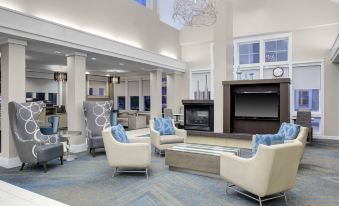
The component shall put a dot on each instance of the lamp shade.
(60, 76)
(115, 80)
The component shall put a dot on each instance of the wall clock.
(278, 72)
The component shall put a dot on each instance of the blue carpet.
(88, 181)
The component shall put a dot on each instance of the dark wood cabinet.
(256, 106)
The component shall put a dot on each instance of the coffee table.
(197, 157)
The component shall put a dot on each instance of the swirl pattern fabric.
(119, 134)
(289, 131)
(27, 131)
(164, 126)
(97, 116)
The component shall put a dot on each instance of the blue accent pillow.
(266, 139)
(289, 131)
(119, 134)
(164, 126)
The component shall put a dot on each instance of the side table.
(65, 136)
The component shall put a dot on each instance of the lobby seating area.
(169, 103)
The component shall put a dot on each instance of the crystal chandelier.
(195, 12)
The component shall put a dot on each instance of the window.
(91, 92)
(249, 53)
(52, 97)
(306, 99)
(40, 96)
(147, 103)
(121, 103)
(142, 2)
(164, 93)
(134, 102)
(101, 91)
(276, 50)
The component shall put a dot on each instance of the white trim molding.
(9, 162)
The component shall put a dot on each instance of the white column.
(60, 92)
(223, 55)
(155, 93)
(13, 80)
(76, 95)
(127, 100)
(141, 97)
(171, 90)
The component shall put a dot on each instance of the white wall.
(41, 86)
(314, 27)
(121, 20)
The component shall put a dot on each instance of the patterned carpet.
(88, 181)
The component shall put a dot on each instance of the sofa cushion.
(289, 131)
(164, 126)
(119, 134)
(266, 139)
(171, 139)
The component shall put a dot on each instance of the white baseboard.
(9, 162)
(76, 148)
(326, 137)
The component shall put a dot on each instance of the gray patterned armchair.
(32, 146)
(97, 118)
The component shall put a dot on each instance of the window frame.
(262, 51)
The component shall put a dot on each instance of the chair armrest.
(181, 132)
(155, 137)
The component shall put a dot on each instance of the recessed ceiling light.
(93, 58)
(121, 64)
(57, 52)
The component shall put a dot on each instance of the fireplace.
(199, 115)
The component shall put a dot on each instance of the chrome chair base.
(117, 170)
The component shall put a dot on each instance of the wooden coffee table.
(197, 157)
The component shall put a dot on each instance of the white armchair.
(163, 142)
(272, 171)
(127, 157)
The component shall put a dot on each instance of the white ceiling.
(41, 56)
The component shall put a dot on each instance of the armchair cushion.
(289, 131)
(164, 126)
(119, 134)
(266, 139)
(171, 139)
(49, 152)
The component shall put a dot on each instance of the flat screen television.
(257, 105)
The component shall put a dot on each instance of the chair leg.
(45, 166)
(285, 198)
(22, 166)
(260, 201)
(93, 152)
(62, 160)
(115, 170)
(146, 173)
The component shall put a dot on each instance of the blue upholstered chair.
(54, 121)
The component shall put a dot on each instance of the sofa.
(163, 142)
(127, 157)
